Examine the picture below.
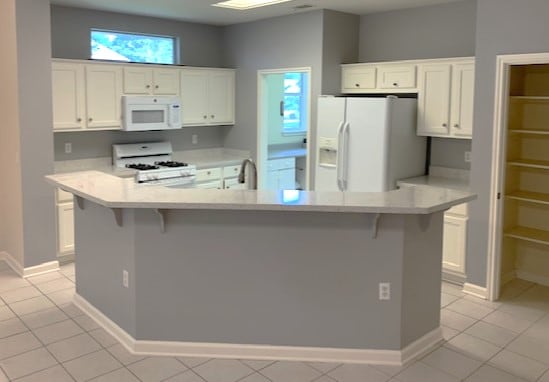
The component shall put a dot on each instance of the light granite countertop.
(286, 151)
(442, 177)
(115, 192)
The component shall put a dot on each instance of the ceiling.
(201, 11)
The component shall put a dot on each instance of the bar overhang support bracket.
(117, 216)
(374, 224)
(162, 215)
(79, 201)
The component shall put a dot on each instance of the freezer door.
(330, 118)
(366, 155)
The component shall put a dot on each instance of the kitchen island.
(260, 274)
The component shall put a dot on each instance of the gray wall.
(200, 45)
(282, 42)
(446, 30)
(503, 27)
(35, 123)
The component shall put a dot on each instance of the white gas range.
(154, 164)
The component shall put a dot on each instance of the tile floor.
(44, 337)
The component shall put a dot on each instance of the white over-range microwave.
(141, 113)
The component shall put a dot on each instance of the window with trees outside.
(295, 113)
(132, 47)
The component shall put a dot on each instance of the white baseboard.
(264, 352)
(528, 276)
(50, 266)
(453, 277)
(475, 290)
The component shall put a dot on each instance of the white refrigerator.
(367, 143)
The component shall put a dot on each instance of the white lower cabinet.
(454, 243)
(65, 223)
(281, 174)
(219, 177)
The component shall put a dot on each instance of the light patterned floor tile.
(324, 378)
(27, 363)
(20, 294)
(31, 305)
(531, 347)
(491, 333)
(17, 344)
(223, 370)
(67, 269)
(57, 332)
(452, 362)
(10, 281)
(470, 309)
(186, 376)
(71, 310)
(472, 347)
(73, 347)
(452, 289)
(11, 327)
(290, 372)
(540, 330)
(53, 374)
(455, 320)
(507, 321)
(480, 301)
(522, 312)
(120, 375)
(44, 318)
(124, 356)
(104, 338)
(518, 365)
(86, 322)
(6, 313)
(258, 378)
(323, 367)
(46, 277)
(448, 333)
(420, 372)
(446, 299)
(156, 369)
(390, 370)
(357, 373)
(255, 364)
(489, 373)
(55, 285)
(3, 377)
(62, 297)
(92, 365)
(544, 377)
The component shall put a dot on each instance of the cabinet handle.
(205, 117)
(395, 84)
(156, 86)
(213, 116)
(456, 126)
(357, 85)
(209, 172)
(90, 119)
(78, 119)
(148, 86)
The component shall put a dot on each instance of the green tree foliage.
(133, 47)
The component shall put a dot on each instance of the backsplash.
(449, 152)
(97, 144)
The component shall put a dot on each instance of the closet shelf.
(532, 132)
(542, 164)
(528, 196)
(529, 234)
(530, 98)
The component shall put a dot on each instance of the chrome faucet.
(252, 176)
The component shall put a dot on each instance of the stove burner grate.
(171, 163)
(142, 166)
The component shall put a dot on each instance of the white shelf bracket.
(117, 215)
(79, 201)
(374, 223)
(162, 215)
(424, 222)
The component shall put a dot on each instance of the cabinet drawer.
(63, 196)
(358, 77)
(213, 184)
(460, 209)
(280, 164)
(397, 76)
(208, 174)
(231, 171)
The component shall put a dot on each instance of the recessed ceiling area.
(202, 11)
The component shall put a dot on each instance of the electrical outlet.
(384, 291)
(125, 279)
(467, 156)
(68, 148)
(194, 139)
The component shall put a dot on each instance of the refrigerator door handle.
(345, 155)
(339, 162)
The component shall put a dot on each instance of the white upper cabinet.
(207, 96)
(445, 99)
(85, 96)
(103, 96)
(69, 108)
(149, 81)
(397, 76)
(358, 78)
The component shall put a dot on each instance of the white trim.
(529, 276)
(503, 62)
(261, 138)
(50, 266)
(265, 352)
(475, 290)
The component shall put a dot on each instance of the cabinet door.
(454, 240)
(68, 96)
(103, 96)
(357, 78)
(232, 184)
(397, 76)
(434, 99)
(137, 80)
(65, 228)
(221, 97)
(209, 185)
(463, 84)
(194, 97)
(166, 81)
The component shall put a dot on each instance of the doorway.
(283, 128)
(519, 198)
